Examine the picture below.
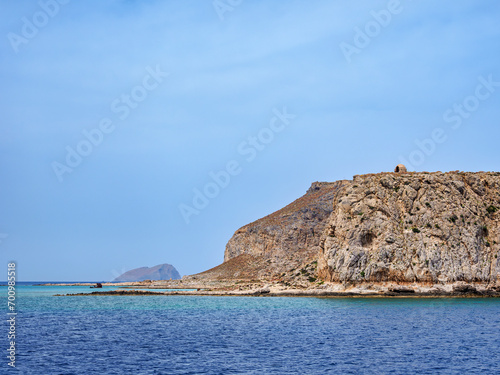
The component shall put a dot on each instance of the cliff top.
(318, 194)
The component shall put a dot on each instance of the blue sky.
(174, 92)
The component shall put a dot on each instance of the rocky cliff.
(414, 227)
(159, 272)
(387, 227)
(282, 241)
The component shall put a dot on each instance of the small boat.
(97, 285)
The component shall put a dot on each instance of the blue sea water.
(249, 335)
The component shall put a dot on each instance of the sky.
(135, 133)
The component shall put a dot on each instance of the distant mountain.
(159, 272)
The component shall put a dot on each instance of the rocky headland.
(399, 232)
(387, 234)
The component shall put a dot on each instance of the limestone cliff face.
(413, 227)
(389, 227)
(292, 232)
(281, 241)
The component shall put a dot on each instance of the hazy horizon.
(140, 133)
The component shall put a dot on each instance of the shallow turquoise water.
(252, 335)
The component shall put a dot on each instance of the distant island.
(160, 272)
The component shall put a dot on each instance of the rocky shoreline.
(125, 284)
(459, 289)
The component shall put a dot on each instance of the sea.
(246, 335)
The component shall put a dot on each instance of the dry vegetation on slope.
(282, 241)
(423, 228)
